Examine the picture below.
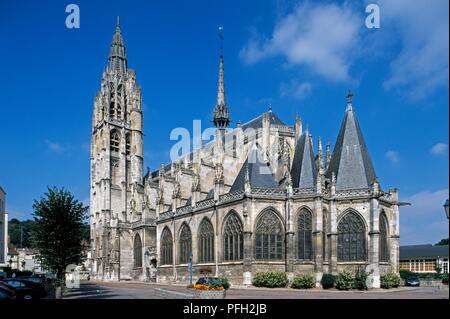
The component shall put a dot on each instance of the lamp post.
(190, 268)
(446, 207)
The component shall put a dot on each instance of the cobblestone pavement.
(139, 290)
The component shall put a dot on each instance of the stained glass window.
(166, 247)
(305, 235)
(384, 246)
(185, 243)
(351, 238)
(269, 237)
(233, 238)
(206, 241)
(137, 251)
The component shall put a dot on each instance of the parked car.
(4, 295)
(26, 289)
(36, 279)
(7, 292)
(412, 281)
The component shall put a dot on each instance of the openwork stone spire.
(221, 114)
(117, 58)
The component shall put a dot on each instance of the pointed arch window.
(351, 238)
(137, 251)
(269, 237)
(324, 235)
(166, 247)
(206, 241)
(384, 243)
(233, 238)
(119, 101)
(115, 172)
(304, 224)
(114, 141)
(127, 143)
(112, 100)
(185, 244)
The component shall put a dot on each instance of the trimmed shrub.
(445, 280)
(303, 281)
(328, 281)
(360, 282)
(345, 280)
(404, 273)
(390, 280)
(224, 283)
(270, 279)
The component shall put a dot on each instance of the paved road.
(138, 290)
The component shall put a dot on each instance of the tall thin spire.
(221, 114)
(349, 100)
(117, 57)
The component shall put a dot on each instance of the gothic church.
(258, 197)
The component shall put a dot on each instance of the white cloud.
(425, 203)
(321, 37)
(295, 89)
(392, 156)
(421, 26)
(424, 222)
(55, 147)
(439, 149)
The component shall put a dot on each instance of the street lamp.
(446, 207)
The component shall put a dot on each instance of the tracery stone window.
(115, 172)
(233, 238)
(351, 238)
(166, 247)
(112, 100)
(114, 141)
(206, 241)
(185, 244)
(127, 143)
(384, 243)
(304, 224)
(137, 251)
(324, 234)
(128, 172)
(269, 237)
(119, 101)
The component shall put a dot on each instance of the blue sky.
(302, 56)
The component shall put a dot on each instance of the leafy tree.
(19, 232)
(443, 242)
(58, 231)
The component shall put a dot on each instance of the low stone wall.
(170, 294)
(427, 283)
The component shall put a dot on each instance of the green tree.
(443, 242)
(19, 232)
(58, 230)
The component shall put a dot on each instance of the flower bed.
(211, 288)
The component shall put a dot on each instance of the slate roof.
(429, 250)
(257, 122)
(303, 170)
(259, 172)
(350, 160)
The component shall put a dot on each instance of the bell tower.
(116, 158)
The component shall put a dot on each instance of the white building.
(3, 230)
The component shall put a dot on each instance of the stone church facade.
(258, 197)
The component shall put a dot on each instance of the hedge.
(270, 279)
(303, 281)
(390, 280)
(345, 280)
(328, 281)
